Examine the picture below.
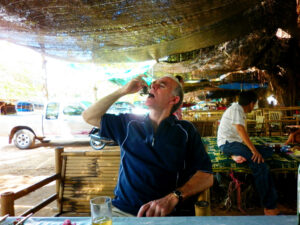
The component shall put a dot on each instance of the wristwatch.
(178, 195)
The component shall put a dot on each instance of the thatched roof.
(126, 31)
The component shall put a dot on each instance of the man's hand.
(134, 85)
(93, 114)
(256, 157)
(160, 207)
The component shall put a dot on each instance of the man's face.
(251, 106)
(161, 93)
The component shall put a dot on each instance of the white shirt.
(227, 131)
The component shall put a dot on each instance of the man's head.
(247, 100)
(165, 92)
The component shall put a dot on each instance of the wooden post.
(7, 203)
(58, 164)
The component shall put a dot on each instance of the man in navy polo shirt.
(163, 160)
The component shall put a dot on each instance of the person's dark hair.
(179, 78)
(246, 97)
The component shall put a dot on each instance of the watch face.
(178, 194)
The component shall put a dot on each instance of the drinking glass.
(101, 210)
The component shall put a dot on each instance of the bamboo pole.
(58, 165)
(35, 186)
(62, 184)
(40, 205)
(107, 153)
(7, 203)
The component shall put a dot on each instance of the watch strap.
(178, 195)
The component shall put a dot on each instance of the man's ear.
(175, 100)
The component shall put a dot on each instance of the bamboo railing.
(8, 198)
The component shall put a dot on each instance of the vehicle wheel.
(97, 145)
(24, 139)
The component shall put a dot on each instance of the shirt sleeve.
(237, 116)
(114, 127)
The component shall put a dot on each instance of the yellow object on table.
(297, 153)
(295, 150)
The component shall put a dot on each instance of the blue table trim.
(204, 220)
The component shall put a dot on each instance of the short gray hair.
(178, 91)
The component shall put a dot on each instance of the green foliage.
(19, 83)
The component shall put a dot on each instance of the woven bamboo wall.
(87, 175)
(206, 128)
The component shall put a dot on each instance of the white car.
(58, 121)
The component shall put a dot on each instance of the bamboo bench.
(79, 177)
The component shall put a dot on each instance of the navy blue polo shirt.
(152, 164)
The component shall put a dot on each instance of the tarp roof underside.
(129, 31)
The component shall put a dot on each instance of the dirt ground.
(22, 168)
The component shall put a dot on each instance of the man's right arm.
(94, 113)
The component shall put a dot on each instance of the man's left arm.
(200, 181)
(256, 157)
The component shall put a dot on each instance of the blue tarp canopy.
(242, 86)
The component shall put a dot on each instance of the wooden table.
(281, 125)
(200, 220)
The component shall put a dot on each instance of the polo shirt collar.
(170, 119)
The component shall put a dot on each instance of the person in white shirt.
(234, 141)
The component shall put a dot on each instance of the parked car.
(26, 106)
(7, 108)
(60, 120)
(121, 107)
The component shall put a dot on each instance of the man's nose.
(154, 86)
